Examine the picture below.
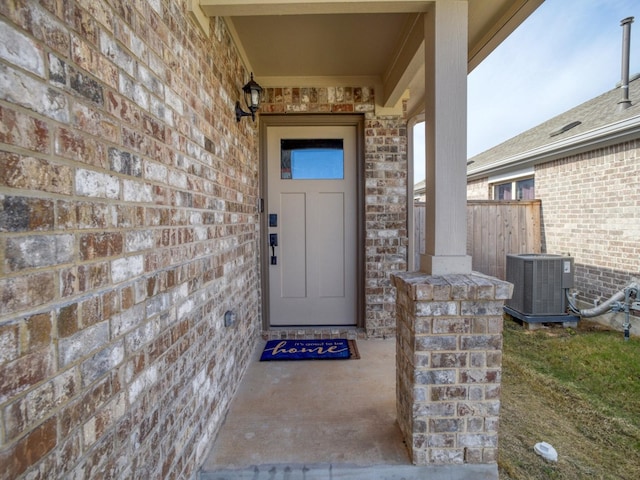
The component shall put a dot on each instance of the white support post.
(446, 138)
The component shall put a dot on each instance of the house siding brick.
(478, 189)
(386, 234)
(128, 226)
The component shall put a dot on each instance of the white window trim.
(527, 172)
(512, 178)
(411, 180)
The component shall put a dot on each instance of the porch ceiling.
(332, 42)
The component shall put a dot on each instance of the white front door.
(312, 208)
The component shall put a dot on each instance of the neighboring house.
(420, 191)
(584, 165)
(132, 219)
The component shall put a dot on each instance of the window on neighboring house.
(502, 191)
(522, 189)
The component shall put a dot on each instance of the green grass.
(599, 364)
(576, 389)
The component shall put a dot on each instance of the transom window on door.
(311, 159)
(517, 189)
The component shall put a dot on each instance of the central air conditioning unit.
(540, 283)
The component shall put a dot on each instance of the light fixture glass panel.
(255, 98)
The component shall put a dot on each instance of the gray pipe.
(606, 306)
(626, 42)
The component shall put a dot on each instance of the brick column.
(448, 363)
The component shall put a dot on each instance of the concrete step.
(353, 472)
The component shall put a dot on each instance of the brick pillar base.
(448, 364)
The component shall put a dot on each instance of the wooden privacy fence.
(495, 228)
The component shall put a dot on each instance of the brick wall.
(386, 242)
(478, 189)
(128, 226)
(385, 159)
(590, 211)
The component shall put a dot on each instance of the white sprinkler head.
(546, 451)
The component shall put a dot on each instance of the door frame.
(310, 120)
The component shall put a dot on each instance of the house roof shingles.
(600, 119)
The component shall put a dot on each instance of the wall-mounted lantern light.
(252, 92)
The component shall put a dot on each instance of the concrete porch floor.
(333, 419)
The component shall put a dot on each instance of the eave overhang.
(597, 138)
(395, 72)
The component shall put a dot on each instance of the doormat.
(322, 349)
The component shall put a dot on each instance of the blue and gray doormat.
(321, 349)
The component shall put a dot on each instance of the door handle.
(273, 243)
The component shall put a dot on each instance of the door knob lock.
(273, 243)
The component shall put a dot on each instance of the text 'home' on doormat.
(321, 349)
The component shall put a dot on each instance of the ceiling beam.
(198, 15)
(406, 61)
(230, 8)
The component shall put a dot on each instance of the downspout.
(626, 46)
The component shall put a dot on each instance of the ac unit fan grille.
(539, 282)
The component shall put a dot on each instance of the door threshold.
(315, 332)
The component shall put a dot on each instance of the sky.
(565, 53)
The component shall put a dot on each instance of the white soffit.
(232, 8)
(375, 41)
